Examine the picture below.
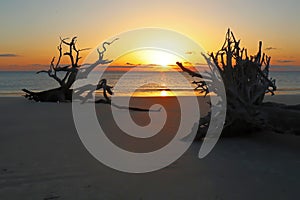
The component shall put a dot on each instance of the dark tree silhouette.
(246, 80)
(68, 73)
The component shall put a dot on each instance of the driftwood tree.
(66, 75)
(246, 80)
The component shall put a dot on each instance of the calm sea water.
(11, 83)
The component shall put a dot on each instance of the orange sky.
(30, 30)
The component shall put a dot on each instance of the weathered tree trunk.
(64, 92)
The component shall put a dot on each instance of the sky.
(30, 30)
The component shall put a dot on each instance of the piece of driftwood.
(68, 73)
(246, 80)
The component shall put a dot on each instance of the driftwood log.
(68, 73)
(246, 80)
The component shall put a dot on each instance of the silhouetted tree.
(68, 73)
(246, 80)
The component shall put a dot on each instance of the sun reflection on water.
(165, 93)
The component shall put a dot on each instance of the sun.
(165, 93)
(160, 57)
(153, 59)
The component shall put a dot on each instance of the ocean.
(12, 82)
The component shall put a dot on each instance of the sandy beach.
(168, 141)
(42, 157)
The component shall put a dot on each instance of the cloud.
(8, 55)
(285, 68)
(152, 65)
(200, 63)
(39, 65)
(270, 48)
(132, 64)
(285, 61)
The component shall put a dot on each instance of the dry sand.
(42, 157)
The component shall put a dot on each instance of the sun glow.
(162, 58)
(165, 93)
(156, 59)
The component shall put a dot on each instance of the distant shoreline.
(289, 99)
